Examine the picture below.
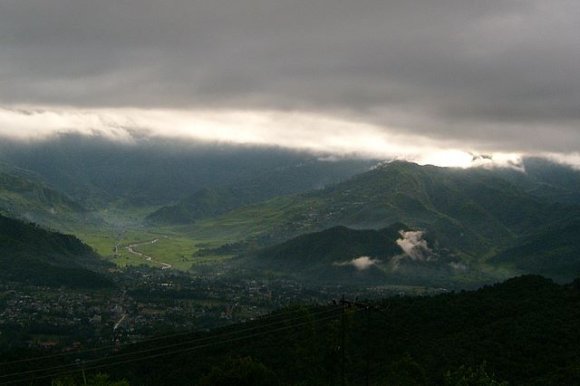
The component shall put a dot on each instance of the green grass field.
(176, 245)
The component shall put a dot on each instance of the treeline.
(522, 332)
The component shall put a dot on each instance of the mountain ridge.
(211, 202)
(471, 215)
(474, 203)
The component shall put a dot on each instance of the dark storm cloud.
(500, 73)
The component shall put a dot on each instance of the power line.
(199, 340)
(148, 340)
(152, 356)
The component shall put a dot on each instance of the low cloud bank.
(331, 138)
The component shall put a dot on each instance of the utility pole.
(367, 341)
(368, 346)
(81, 364)
(343, 341)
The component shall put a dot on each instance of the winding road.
(131, 249)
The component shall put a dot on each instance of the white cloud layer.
(292, 130)
(386, 77)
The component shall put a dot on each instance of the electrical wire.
(110, 347)
(199, 340)
(152, 356)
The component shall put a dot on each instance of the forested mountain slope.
(24, 195)
(30, 254)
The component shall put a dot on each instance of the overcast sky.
(384, 77)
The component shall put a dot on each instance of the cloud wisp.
(362, 263)
(414, 247)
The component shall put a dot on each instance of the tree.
(468, 376)
(240, 372)
(405, 372)
(95, 380)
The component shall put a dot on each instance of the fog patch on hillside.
(361, 263)
(414, 247)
